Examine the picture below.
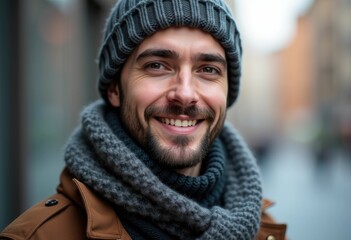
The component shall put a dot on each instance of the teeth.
(178, 122)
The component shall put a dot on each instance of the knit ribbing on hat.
(106, 163)
(131, 21)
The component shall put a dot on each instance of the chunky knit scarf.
(101, 155)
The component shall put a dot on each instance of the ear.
(113, 95)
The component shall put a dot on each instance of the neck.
(191, 172)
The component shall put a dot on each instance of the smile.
(178, 122)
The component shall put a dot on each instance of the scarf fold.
(205, 189)
(105, 158)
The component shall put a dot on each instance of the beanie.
(131, 21)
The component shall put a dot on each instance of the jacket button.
(270, 237)
(51, 202)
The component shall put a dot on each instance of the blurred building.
(48, 73)
(330, 27)
(303, 91)
(315, 77)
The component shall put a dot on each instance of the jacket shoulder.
(269, 228)
(56, 217)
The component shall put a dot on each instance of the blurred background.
(294, 108)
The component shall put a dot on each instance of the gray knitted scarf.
(111, 165)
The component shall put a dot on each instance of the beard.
(180, 155)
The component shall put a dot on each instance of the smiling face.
(172, 95)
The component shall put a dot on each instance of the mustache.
(173, 110)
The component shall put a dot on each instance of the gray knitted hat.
(131, 21)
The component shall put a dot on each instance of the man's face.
(172, 95)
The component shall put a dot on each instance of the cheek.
(216, 98)
(145, 94)
(141, 96)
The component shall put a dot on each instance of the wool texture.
(131, 21)
(102, 156)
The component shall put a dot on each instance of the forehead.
(183, 39)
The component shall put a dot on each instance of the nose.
(184, 90)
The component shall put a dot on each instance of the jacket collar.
(102, 220)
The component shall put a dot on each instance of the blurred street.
(312, 196)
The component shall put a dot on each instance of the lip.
(179, 124)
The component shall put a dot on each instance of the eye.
(154, 66)
(209, 70)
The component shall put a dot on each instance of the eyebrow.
(164, 53)
(210, 57)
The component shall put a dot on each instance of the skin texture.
(178, 76)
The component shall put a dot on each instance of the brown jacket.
(75, 212)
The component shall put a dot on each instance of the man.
(155, 159)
